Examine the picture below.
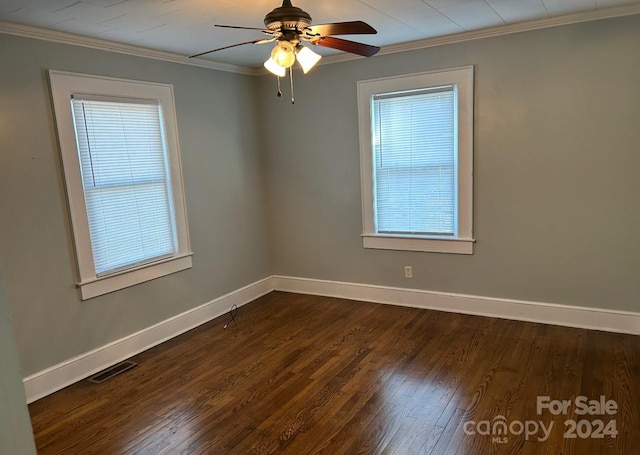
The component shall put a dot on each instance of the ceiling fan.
(289, 26)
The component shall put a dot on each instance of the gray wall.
(15, 427)
(275, 188)
(556, 170)
(225, 195)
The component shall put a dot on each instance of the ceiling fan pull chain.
(293, 101)
(279, 91)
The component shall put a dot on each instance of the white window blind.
(414, 160)
(126, 182)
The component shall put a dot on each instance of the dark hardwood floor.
(312, 375)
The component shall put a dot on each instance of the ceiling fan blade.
(365, 50)
(241, 27)
(342, 28)
(258, 41)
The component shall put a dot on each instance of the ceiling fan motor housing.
(287, 18)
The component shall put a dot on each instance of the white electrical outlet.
(408, 271)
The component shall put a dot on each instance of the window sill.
(431, 245)
(114, 282)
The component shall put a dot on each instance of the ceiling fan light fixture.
(307, 58)
(274, 68)
(283, 54)
(290, 27)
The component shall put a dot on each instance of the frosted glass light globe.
(283, 54)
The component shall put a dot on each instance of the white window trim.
(63, 86)
(463, 242)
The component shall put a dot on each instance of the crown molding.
(28, 31)
(509, 29)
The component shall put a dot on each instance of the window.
(122, 172)
(416, 154)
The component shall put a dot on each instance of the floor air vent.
(112, 371)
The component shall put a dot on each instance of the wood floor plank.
(309, 375)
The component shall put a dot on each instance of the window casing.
(416, 155)
(121, 162)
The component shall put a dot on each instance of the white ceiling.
(186, 26)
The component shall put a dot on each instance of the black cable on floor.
(233, 312)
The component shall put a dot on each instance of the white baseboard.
(520, 310)
(66, 373)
